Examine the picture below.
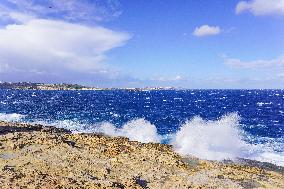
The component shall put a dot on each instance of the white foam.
(213, 140)
(11, 117)
(271, 157)
(137, 129)
(71, 125)
(260, 103)
(223, 139)
(206, 139)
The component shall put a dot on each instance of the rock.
(250, 184)
(12, 145)
(47, 157)
(9, 168)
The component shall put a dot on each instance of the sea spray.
(206, 139)
(137, 129)
(212, 140)
(11, 117)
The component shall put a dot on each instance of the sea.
(208, 124)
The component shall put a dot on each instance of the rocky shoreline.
(72, 87)
(36, 156)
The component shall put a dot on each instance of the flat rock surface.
(35, 156)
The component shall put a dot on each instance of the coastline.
(71, 87)
(39, 156)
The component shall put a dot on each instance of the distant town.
(64, 86)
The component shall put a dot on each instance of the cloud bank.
(34, 47)
(261, 7)
(255, 64)
(49, 47)
(206, 30)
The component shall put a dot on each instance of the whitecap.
(14, 117)
(137, 129)
(212, 140)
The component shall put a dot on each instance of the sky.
(196, 44)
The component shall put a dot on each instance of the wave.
(213, 140)
(222, 139)
(137, 129)
(206, 139)
(11, 117)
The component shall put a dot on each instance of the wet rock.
(141, 182)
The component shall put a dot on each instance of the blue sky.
(125, 43)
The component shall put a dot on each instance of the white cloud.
(53, 48)
(272, 63)
(261, 7)
(206, 30)
(59, 41)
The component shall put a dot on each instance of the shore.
(36, 156)
(71, 87)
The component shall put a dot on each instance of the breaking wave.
(138, 129)
(223, 139)
(214, 140)
(11, 117)
(206, 139)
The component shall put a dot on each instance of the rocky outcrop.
(34, 156)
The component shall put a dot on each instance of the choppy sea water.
(209, 124)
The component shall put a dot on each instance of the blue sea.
(209, 124)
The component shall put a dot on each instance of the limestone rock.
(36, 156)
